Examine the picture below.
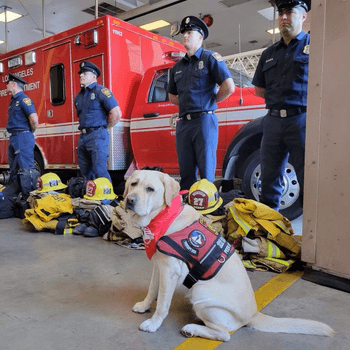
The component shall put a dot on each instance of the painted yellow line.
(264, 295)
(275, 287)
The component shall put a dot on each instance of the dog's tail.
(267, 323)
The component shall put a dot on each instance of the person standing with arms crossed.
(193, 87)
(22, 123)
(281, 78)
(97, 110)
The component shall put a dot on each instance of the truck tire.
(38, 162)
(250, 173)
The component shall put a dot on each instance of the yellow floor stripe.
(264, 295)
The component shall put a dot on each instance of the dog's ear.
(171, 189)
(128, 182)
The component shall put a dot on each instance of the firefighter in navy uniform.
(97, 110)
(281, 78)
(22, 122)
(193, 86)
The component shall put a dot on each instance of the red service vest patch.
(200, 247)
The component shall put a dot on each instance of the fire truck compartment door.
(58, 119)
(152, 138)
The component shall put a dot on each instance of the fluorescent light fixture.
(271, 31)
(11, 16)
(155, 25)
(1, 42)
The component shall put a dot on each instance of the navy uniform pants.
(21, 145)
(93, 151)
(281, 136)
(196, 144)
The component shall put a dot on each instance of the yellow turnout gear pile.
(264, 237)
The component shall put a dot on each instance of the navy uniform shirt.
(283, 71)
(194, 80)
(93, 105)
(21, 107)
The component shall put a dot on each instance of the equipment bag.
(8, 198)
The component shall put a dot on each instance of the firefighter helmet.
(204, 196)
(99, 189)
(49, 182)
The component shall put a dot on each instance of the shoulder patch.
(106, 92)
(27, 101)
(217, 56)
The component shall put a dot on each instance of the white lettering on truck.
(27, 87)
(32, 86)
(23, 73)
(114, 31)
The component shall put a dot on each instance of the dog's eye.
(149, 189)
(133, 184)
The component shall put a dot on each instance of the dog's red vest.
(200, 247)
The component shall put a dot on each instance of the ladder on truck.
(245, 62)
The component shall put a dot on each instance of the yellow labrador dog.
(224, 303)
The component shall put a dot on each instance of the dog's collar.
(159, 225)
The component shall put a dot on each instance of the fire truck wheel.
(251, 185)
(38, 162)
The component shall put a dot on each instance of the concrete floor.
(71, 292)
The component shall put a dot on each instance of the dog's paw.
(189, 330)
(149, 325)
(195, 330)
(140, 307)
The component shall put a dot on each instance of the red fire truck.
(134, 66)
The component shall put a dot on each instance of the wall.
(326, 220)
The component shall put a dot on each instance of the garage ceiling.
(231, 17)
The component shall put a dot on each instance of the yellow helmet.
(49, 182)
(99, 189)
(204, 196)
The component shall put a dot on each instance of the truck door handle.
(151, 115)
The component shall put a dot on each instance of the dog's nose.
(130, 202)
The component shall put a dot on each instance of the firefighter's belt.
(195, 115)
(91, 129)
(200, 247)
(283, 113)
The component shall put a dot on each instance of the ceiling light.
(1, 42)
(11, 16)
(271, 31)
(155, 25)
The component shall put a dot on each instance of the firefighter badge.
(106, 92)
(200, 65)
(217, 56)
(27, 101)
(92, 96)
